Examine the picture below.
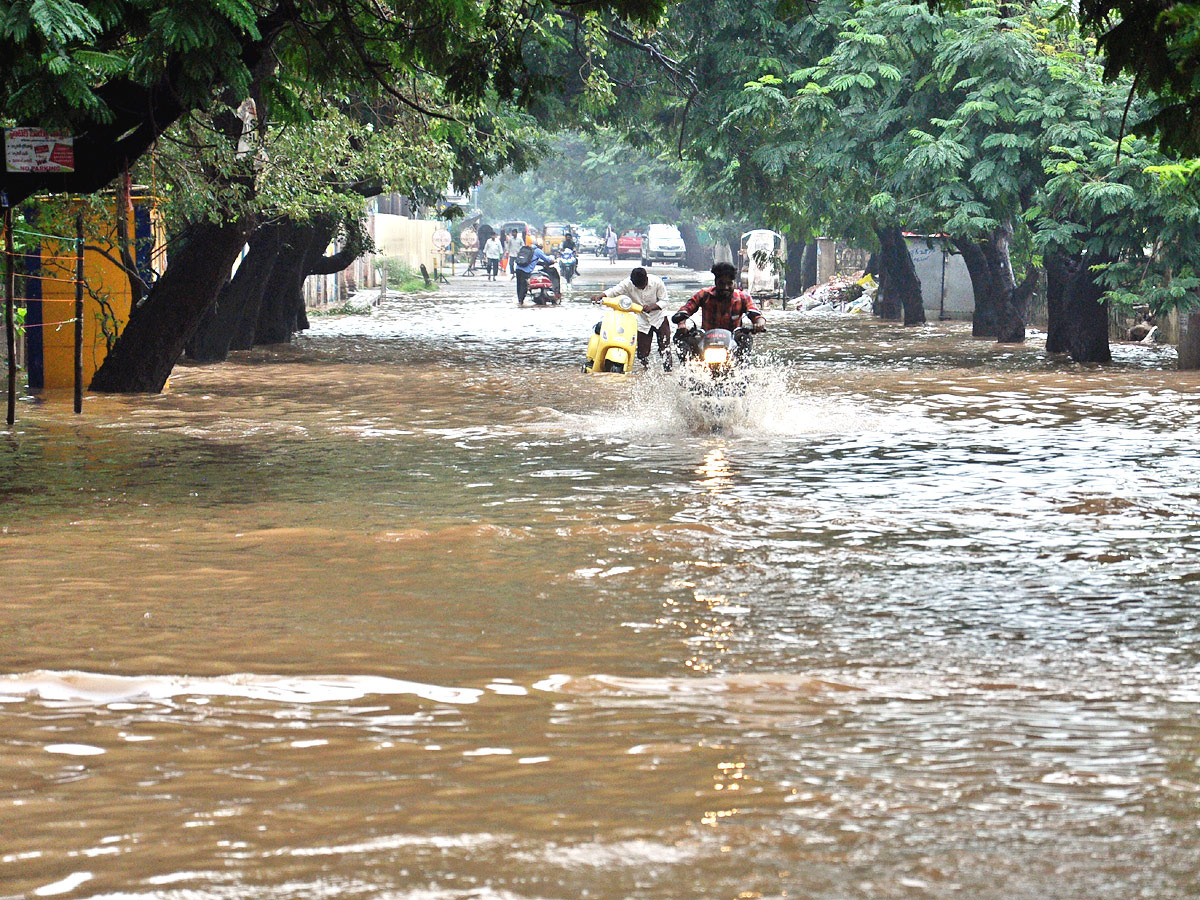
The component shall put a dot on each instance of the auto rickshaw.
(553, 234)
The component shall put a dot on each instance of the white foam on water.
(65, 886)
(397, 842)
(101, 689)
(761, 399)
(631, 854)
(74, 749)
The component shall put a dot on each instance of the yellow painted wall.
(106, 297)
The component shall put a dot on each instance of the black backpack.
(524, 255)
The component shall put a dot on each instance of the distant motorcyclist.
(568, 262)
(528, 259)
(650, 293)
(722, 306)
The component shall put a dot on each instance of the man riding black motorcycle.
(723, 307)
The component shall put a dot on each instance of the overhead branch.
(132, 273)
(675, 69)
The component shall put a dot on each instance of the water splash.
(761, 398)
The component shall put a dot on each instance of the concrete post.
(1189, 341)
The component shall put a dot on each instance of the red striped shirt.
(718, 314)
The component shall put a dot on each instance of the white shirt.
(492, 249)
(655, 291)
(514, 245)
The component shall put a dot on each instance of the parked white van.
(664, 244)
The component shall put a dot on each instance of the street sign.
(29, 150)
(441, 239)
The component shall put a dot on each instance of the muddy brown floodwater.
(413, 610)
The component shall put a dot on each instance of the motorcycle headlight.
(715, 356)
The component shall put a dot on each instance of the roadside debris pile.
(852, 294)
(1144, 329)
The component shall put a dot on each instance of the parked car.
(629, 245)
(663, 244)
(587, 241)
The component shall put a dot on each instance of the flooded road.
(413, 609)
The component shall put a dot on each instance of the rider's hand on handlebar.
(597, 298)
(760, 326)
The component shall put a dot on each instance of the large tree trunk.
(696, 256)
(984, 321)
(277, 313)
(899, 287)
(1078, 320)
(317, 263)
(148, 348)
(302, 253)
(1001, 305)
(214, 336)
(1060, 268)
(1012, 306)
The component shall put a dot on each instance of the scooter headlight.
(625, 303)
(716, 356)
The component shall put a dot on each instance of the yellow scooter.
(613, 345)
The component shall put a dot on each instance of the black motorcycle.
(711, 363)
(718, 350)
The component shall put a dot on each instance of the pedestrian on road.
(610, 243)
(491, 253)
(514, 247)
(650, 293)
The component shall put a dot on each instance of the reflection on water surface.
(412, 609)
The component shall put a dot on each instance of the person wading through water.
(650, 293)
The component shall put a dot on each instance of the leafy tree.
(594, 179)
(117, 74)
(681, 89)
(949, 121)
(1157, 43)
(1118, 228)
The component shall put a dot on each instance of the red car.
(629, 245)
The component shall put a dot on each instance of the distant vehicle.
(663, 244)
(629, 245)
(762, 259)
(523, 229)
(587, 241)
(552, 235)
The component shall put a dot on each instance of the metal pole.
(79, 312)
(9, 313)
(942, 299)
